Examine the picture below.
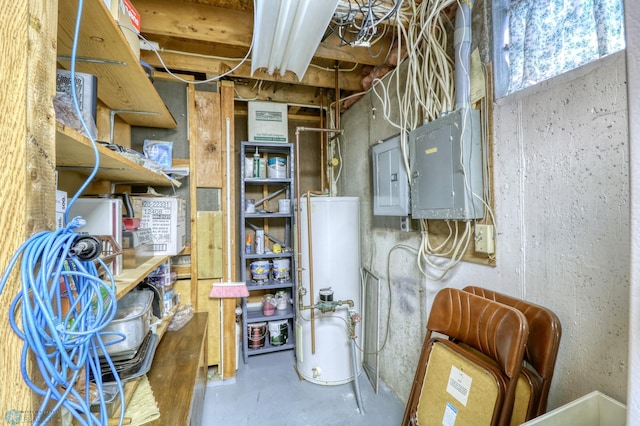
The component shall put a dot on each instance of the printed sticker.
(450, 413)
(459, 385)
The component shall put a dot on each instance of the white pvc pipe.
(462, 47)
(228, 197)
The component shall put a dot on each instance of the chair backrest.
(495, 329)
(483, 324)
(543, 343)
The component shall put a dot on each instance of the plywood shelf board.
(129, 278)
(122, 86)
(75, 152)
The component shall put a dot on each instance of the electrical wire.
(67, 344)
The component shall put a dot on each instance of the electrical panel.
(446, 168)
(390, 179)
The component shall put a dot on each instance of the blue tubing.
(66, 345)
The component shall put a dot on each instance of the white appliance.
(103, 217)
(335, 229)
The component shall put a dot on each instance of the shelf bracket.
(112, 118)
(68, 58)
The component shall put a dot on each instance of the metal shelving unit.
(278, 229)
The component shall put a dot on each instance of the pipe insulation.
(462, 46)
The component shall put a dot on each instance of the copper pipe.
(323, 178)
(298, 230)
(311, 290)
(337, 72)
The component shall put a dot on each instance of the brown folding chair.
(543, 344)
(450, 381)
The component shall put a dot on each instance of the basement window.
(535, 40)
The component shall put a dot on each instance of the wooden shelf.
(129, 278)
(120, 87)
(74, 151)
(178, 373)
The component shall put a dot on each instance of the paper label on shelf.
(459, 385)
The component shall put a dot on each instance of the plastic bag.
(183, 315)
(159, 151)
(67, 115)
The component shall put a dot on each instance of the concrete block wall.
(562, 211)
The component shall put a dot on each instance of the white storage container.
(593, 409)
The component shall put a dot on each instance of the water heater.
(323, 348)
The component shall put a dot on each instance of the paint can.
(260, 271)
(248, 167)
(281, 270)
(278, 332)
(256, 335)
(277, 168)
(282, 300)
(284, 205)
(250, 205)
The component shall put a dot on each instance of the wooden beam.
(288, 94)
(232, 27)
(27, 120)
(243, 111)
(315, 77)
(229, 305)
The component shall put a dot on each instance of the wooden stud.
(208, 151)
(27, 120)
(229, 305)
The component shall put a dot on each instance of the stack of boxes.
(128, 19)
(165, 217)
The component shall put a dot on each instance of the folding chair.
(451, 385)
(543, 344)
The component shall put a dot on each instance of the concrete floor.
(268, 392)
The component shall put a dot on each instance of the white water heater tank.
(335, 230)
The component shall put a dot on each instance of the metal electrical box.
(446, 168)
(390, 180)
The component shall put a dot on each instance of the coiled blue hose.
(67, 342)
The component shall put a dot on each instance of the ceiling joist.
(314, 76)
(231, 27)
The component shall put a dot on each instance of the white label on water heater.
(459, 385)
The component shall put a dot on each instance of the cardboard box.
(268, 122)
(61, 201)
(165, 216)
(126, 15)
(59, 220)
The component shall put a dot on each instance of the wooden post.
(27, 127)
(229, 305)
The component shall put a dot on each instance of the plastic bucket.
(256, 334)
(277, 168)
(284, 205)
(281, 270)
(278, 332)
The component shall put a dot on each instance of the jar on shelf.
(268, 305)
